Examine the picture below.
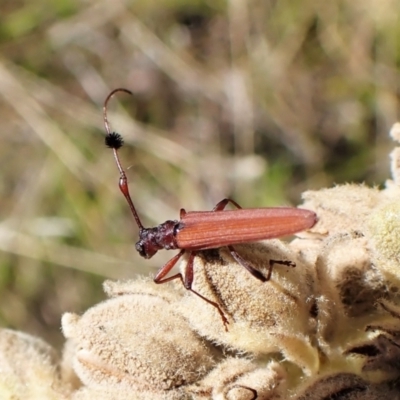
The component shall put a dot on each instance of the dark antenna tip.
(114, 140)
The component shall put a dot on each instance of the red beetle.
(201, 230)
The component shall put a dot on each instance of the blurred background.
(256, 100)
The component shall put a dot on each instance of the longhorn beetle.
(201, 230)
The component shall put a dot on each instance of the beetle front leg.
(187, 281)
(166, 268)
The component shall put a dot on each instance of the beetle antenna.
(115, 141)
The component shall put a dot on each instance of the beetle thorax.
(153, 239)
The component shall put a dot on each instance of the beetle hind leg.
(287, 263)
(257, 274)
(239, 259)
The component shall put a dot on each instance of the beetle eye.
(140, 249)
(145, 250)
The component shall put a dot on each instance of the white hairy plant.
(328, 328)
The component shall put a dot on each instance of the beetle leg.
(220, 207)
(159, 278)
(239, 259)
(223, 203)
(257, 274)
(189, 276)
(282, 262)
(188, 281)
